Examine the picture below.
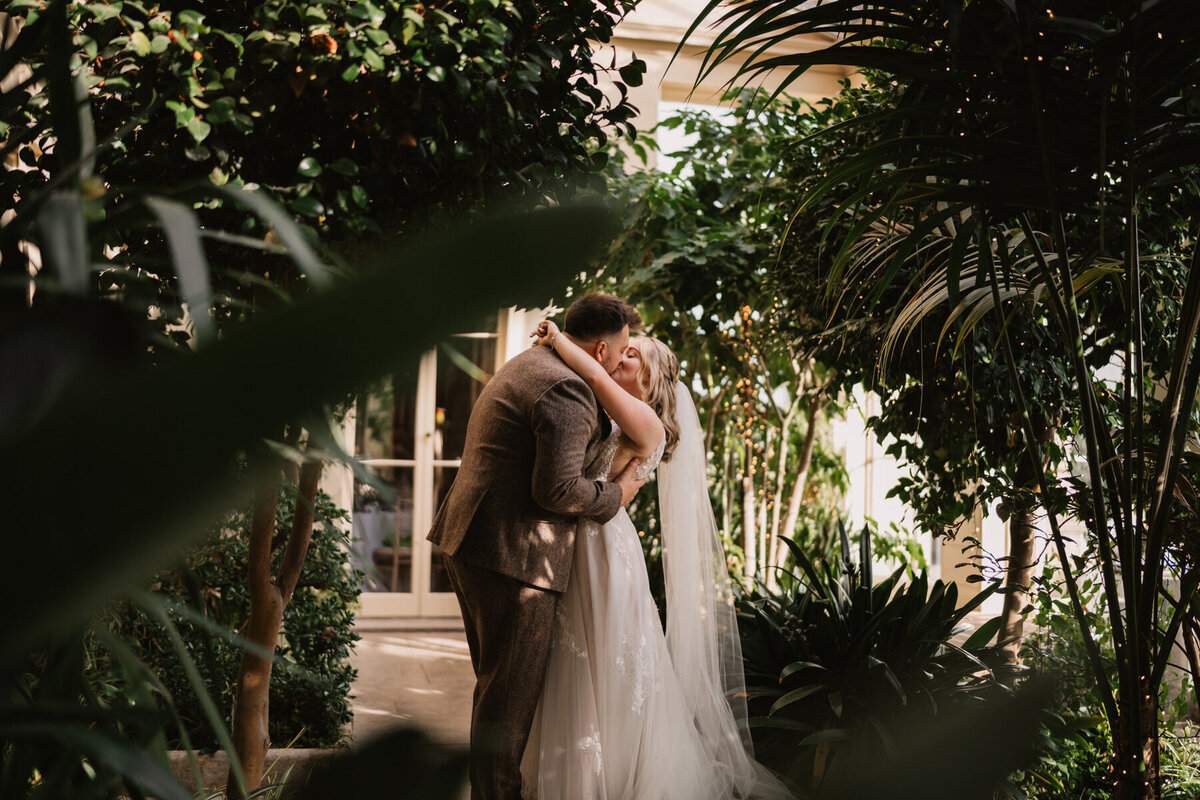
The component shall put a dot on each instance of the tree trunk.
(771, 555)
(268, 600)
(250, 706)
(714, 410)
(749, 535)
(1022, 539)
(801, 482)
(1136, 766)
(1019, 572)
(762, 528)
(727, 490)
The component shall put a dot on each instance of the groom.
(508, 526)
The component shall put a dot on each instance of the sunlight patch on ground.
(378, 712)
(419, 648)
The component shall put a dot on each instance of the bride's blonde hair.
(657, 377)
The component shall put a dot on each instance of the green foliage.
(1181, 766)
(945, 407)
(1074, 744)
(1072, 762)
(692, 255)
(956, 424)
(82, 715)
(738, 208)
(366, 120)
(834, 664)
(1070, 155)
(895, 545)
(359, 115)
(310, 684)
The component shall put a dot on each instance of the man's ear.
(600, 351)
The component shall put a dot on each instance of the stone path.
(409, 674)
(413, 677)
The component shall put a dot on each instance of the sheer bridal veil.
(702, 633)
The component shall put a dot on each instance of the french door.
(410, 432)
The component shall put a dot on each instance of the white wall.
(654, 30)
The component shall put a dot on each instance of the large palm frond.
(961, 306)
(1010, 104)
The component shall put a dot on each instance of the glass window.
(411, 431)
(383, 525)
(464, 366)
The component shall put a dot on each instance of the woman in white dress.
(628, 713)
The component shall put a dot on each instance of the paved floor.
(413, 677)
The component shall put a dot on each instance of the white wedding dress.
(615, 721)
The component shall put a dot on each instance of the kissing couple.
(580, 694)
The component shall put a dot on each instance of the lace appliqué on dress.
(602, 465)
(599, 471)
(603, 462)
(631, 660)
(651, 463)
(564, 639)
(618, 544)
(590, 747)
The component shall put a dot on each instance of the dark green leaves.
(308, 206)
(632, 73)
(255, 91)
(833, 665)
(310, 167)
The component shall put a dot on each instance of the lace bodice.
(602, 466)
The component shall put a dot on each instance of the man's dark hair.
(596, 316)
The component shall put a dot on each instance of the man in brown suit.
(508, 525)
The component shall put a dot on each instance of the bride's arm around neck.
(637, 420)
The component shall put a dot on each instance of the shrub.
(1181, 767)
(833, 663)
(310, 687)
(1073, 750)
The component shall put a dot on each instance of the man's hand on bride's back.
(629, 481)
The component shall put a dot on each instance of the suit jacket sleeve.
(562, 419)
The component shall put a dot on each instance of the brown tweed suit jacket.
(518, 496)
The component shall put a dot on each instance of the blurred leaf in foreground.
(962, 755)
(159, 446)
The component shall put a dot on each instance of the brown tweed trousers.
(507, 527)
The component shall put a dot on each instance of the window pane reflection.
(382, 524)
(442, 478)
(382, 542)
(464, 366)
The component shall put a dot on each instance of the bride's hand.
(545, 333)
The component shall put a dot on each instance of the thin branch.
(301, 533)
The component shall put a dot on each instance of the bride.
(626, 712)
